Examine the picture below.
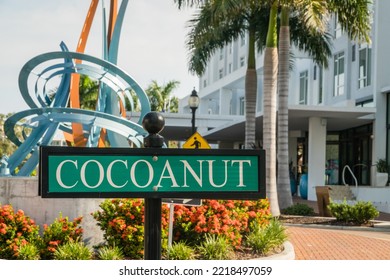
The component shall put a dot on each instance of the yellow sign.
(196, 141)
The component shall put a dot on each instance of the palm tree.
(217, 24)
(211, 31)
(313, 40)
(353, 17)
(160, 96)
(283, 172)
(311, 18)
(269, 111)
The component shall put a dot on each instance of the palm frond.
(189, 3)
(210, 31)
(311, 40)
(354, 17)
(313, 12)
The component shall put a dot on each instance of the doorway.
(356, 152)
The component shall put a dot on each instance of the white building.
(338, 116)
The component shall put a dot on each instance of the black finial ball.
(153, 122)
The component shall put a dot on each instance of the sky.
(152, 44)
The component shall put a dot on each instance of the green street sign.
(67, 172)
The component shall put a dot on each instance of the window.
(339, 76)
(230, 48)
(242, 106)
(220, 74)
(230, 67)
(364, 66)
(365, 103)
(242, 61)
(337, 28)
(303, 81)
(204, 83)
(320, 86)
(243, 40)
(220, 54)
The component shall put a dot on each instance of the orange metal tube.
(78, 134)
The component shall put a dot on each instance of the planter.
(293, 186)
(381, 179)
(303, 186)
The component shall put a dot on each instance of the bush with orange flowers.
(20, 238)
(122, 221)
(16, 230)
(60, 232)
(229, 218)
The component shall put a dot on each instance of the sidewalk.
(327, 244)
(336, 243)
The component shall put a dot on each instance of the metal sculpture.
(60, 110)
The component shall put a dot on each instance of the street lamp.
(193, 102)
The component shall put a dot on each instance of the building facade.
(338, 116)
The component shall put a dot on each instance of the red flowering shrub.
(231, 218)
(122, 221)
(16, 229)
(60, 232)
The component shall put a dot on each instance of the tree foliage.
(6, 146)
(160, 96)
(88, 90)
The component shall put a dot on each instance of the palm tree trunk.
(283, 182)
(269, 112)
(250, 94)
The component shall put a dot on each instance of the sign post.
(153, 123)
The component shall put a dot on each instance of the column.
(317, 155)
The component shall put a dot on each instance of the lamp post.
(193, 102)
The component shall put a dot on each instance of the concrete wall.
(22, 193)
(379, 196)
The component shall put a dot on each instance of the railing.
(353, 175)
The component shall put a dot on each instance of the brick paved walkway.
(334, 244)
(327, 244)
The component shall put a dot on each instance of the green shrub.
(60, 232)
(360, 213)
(215, 247)
(263, 239)
(180, 251)
(16, 230)
(73, 251)
(341, 211)
(299, 210)
(110, 253)
(28, 252)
